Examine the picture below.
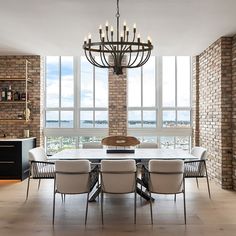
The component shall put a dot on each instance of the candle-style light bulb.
(85, 39)
(134, 28)
(149, 39)
(100, 29)
(89, 36)
(106, 25)
(112, 29)
(138, 37)
(124, 25)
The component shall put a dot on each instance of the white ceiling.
(58, 27)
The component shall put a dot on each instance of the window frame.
(77, 131)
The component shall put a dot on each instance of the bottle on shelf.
(23, 96)
(3, 94)
(9, 93)
(16, 96)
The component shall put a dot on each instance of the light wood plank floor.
(205, 217)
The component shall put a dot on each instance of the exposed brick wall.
(234, 110)
(215, 108)
(14, 66)
(195, 101)
(117, 103)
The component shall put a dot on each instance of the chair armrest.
(194, 161)
(43, 162)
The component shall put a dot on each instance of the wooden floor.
(205, 217)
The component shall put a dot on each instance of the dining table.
(118, 154)
(138, 154)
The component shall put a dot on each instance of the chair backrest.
(118, 176)
(72, 176)
(148, 145)
(92, 145)
(37, 154)
(122, 141)
(199, 152)
(166, 176)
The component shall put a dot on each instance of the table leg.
(139, 192)
(95, 195)
(144, 195)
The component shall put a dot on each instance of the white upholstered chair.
(72, 177)
(118, 177)
(40, 167)
(197, 168)
(166, 177)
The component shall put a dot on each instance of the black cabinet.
(14, 163)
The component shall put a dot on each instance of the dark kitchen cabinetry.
(14, 162)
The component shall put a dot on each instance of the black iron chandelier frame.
(134, 52)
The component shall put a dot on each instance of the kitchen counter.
(14, 139)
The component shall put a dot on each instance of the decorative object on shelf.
(26, 133)
(26, 114)
(4, 94)
(135, 52)
(19, 117)
(16, 96)
(9, 93)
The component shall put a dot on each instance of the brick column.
(234, 111)
(117, 103)
(195, 101)
(215, 109)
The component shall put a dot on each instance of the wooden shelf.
(13, 102)
(14, 121)
(16, 79)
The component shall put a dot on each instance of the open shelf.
(16, 79)
(14, 121)
(13, 102)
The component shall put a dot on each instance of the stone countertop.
(14, 139)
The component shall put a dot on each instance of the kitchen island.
(14, 162)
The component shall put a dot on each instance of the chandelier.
(126, 50)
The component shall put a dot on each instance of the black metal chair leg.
(184, 207)
(27, 191)
(39, 183)
(54, 196)
(197, 182)
(208, 185)
(86, 213)
(135, 202)
(102, 199)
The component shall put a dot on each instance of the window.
(76, 102)
(176, 92)
(93, 96)
(159, 101)
(142, 110)
(59, 102)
